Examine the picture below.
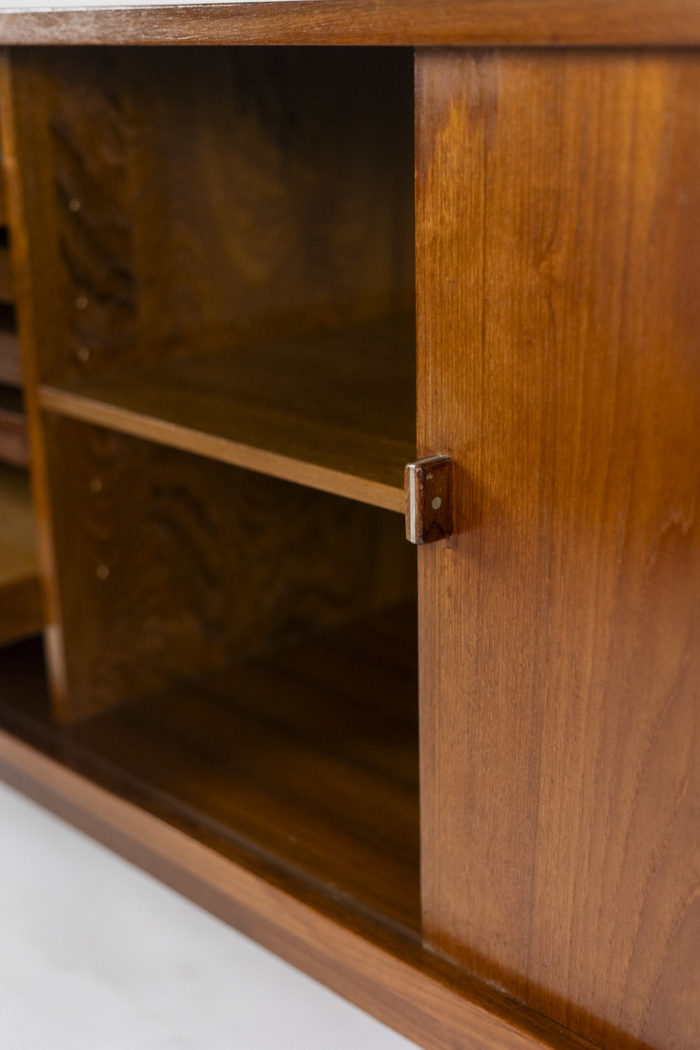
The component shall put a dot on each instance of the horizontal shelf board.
(20, 596)
(307, 760)
(335, 411)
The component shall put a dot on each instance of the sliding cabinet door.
(558, 302)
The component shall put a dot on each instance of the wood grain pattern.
(190, 200)
(185, 565)
(557, 301)
(80, 290)
(20, 597)
(407, 987)
(365, 22)
(335, 410)
(558, 365)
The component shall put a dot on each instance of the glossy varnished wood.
(364, 22)
(558, 366)
(20, 596)
(333, 410)
(556, 192)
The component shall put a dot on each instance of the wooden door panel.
(558, 302)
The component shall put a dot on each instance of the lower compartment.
(241, 661)
(376, 965)
(303, 765)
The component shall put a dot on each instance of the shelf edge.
(237, 454)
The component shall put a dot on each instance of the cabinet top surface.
(355, 22)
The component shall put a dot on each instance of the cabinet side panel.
(558, 310)
(21, 98)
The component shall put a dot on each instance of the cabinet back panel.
(186, 199)
(175, 566)
(558, 309)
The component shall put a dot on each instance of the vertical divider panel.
(67, 286)
(558, 299)
(21, 103)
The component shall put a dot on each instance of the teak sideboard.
(266, 255)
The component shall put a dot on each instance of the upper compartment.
(228, 263)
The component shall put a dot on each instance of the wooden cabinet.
(456, 783)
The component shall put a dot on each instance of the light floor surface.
(96, 955)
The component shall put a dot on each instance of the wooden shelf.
(334, 411)
(306, 761)
(20, 597)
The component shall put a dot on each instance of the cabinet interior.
(225, 342)
(232, 232)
